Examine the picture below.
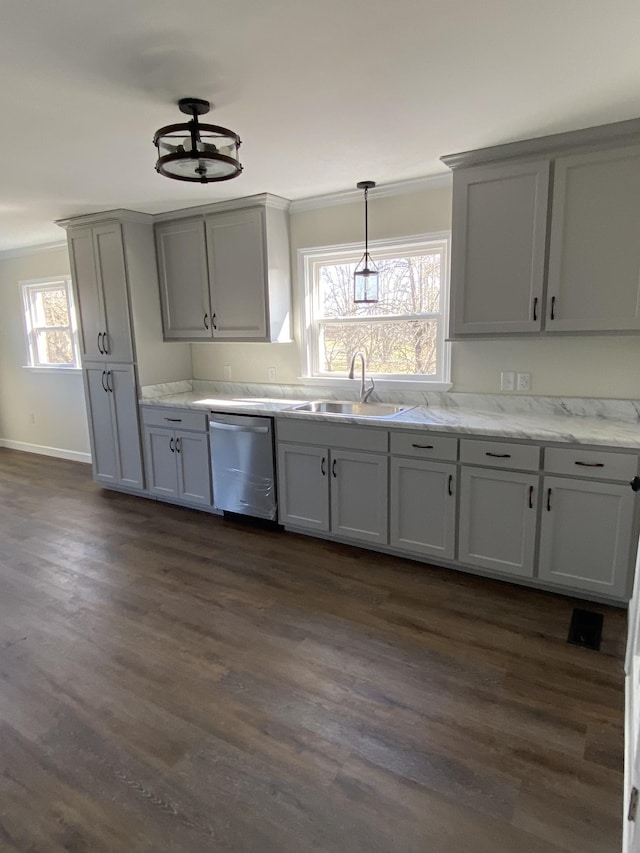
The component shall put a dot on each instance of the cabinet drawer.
(333, 435)
(173, 418)
(424, 446)
(500, 454)
(594, 464)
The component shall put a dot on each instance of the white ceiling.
(323, 94)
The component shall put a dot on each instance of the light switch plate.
(227, 372)
(524, 381)
(271, 372)
(507, 381)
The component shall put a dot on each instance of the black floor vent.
(586, 629)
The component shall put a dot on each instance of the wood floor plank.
(170, 681)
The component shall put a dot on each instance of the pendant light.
(365, 277)
(197, 152)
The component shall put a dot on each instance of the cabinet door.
(101, 427)
(359, 496)
(303, 486)
(594, 253)
(194, 469)
(585, 540)
(238, 274)
(423, 507)
(498, 248)
(162, 467)
(88, 296)
(124, 401)
(112, 278)
(184, 279)
(498, 512)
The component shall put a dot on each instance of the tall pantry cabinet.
(112, 258)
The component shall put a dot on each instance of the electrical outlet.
(508, 381)
(227, 372)
(271, 373)
(524, 381)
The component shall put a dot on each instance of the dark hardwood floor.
(173, 682)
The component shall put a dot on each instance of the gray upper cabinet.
(498, 248)
(238, 274)
(594, 253)
(225, 275)
(100, 278)
(545, 235)
(184, 281)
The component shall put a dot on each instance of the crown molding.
(23, 251)
(275, 202)
(604, 135)
(413, 185)
(120, 214)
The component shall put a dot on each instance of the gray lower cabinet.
(586, 534)
(113, 424)
(359, 485)
(178, 465)
(422, 504)
(303, 486)
(338, 491)
(498, 520)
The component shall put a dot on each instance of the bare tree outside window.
(401, 334)
(49, 324)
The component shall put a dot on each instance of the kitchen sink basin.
(360, 410)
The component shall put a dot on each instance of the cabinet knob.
(635, 484)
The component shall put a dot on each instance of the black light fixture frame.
(196, 107)
(366, 278)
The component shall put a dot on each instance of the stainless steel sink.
(360, 410)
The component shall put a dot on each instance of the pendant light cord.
(366, 226)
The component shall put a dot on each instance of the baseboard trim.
(58, 452)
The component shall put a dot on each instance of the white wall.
(596, 366)
(56, 401)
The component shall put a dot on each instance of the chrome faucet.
(365, 393)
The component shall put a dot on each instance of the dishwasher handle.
(238, 427)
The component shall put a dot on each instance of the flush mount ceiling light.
(197, 152)
(365, 277)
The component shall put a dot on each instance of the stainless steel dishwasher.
(242, 464)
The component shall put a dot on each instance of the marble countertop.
(569, 429)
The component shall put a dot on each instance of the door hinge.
(633, 804)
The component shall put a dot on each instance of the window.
(50, 323)
(401, 335)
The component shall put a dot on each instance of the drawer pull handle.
(333, 468)
(530, 497)
(178, 445)
(171, 447)
(498, 455)
(548, 500)
(635, 484)
(591, 464)
(449, 489)
(323, 467)
(206, 325)
(423, 446)
(104, 373)
(174, 420)
(535, 309)
(553, 308)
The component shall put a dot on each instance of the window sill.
(381, 384)
(39, 369)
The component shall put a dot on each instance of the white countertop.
(569, 429)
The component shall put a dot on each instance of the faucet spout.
(365, 393)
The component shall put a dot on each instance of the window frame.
(27, 288)
(308, 299)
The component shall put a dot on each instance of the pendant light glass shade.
(366, 275)
(197, 152)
